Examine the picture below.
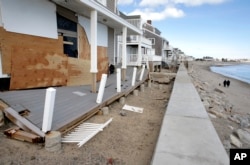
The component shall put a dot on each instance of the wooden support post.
(142, 72)
(134, 76)
(123, 74)
(48, 109)
(118, 77)
(93, 84)
(101, 88)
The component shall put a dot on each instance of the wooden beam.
(3, 105)
(22, 122)
(18, 134)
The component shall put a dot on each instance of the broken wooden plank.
(3, 105)
(132, 108)
(22, 122)
(16, 133)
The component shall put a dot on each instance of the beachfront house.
(148, 49)
(138, 47)
(160, 45)
(59, 42)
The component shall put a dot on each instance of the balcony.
(135, 22)
(136, 39)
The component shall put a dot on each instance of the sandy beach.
(228, 107)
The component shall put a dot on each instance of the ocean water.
(240, 72)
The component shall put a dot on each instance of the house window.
(152, 40)
(68, 29)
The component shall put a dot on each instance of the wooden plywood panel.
(84, 46)
(102, 59)
(78, 72)
(32, 68)
(5, 53)
(8, 40)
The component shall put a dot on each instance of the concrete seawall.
(187, 135)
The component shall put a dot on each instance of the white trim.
(108, 13)
(124, 47)
(93, 41)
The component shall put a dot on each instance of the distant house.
(159, 44)
(150, 47)
(59, 42)
(207, 58)
(138, 47)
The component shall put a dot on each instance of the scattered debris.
(84, 133)
(122, 113)
(18, 134)
(132, 108)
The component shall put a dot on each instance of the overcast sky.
(217, 28)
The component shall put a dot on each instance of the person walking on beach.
(225, 83)
(228, 83)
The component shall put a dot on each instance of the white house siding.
(33, 17)
(1, 23)
(102, 31)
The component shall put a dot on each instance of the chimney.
(149, 22)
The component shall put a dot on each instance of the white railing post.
(118, 77)
(142, 72)
(134, 75)
(101, 88)
(48, 109)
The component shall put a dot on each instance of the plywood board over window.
(32, 68)
(84, 46)
(78, 72)
(8, 40)
(103, 62)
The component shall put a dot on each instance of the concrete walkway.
(187, 135)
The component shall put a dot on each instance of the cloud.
(150, 14)
(154, 3)
(198, 2)
(158, 10)
(125, 2)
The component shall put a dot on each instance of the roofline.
(108, 13)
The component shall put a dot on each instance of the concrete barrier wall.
(187, 135)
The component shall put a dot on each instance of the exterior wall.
(111, 5)
(34, 61)
(102, 31)
(38, 20)
(102, 50)
(158, 42)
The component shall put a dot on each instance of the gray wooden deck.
(70, 108)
